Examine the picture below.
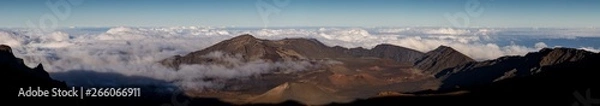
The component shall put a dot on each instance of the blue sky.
(361, 13)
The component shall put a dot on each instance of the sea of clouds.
(134, 51)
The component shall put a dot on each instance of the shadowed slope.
(478, 73)
(441, 58)
(15, 75)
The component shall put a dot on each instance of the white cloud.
(392, 30)
(447, 31)
(569, 33)
(9, 38)
(135, 51)
(478, 51)
(540, 45)
(591, 49)
(59, 36)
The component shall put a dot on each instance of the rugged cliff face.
(15, 74)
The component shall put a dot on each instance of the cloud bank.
(131, 51)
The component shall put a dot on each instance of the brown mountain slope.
(363, 73)
(251, 48)
(441, 58)
(354, 73)
(307, 93)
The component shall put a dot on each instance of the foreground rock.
(15, 75)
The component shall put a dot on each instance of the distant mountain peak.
(387, 51)
(552, 56)
(241, 40)
(441, 58)
(251, 49)
(443, 48)
(563, 50)
(244, 37)
(446, 50)
(304, 40)
(384, 45)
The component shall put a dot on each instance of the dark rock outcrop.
(486, 72)
(441, 58)
(15, 75)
